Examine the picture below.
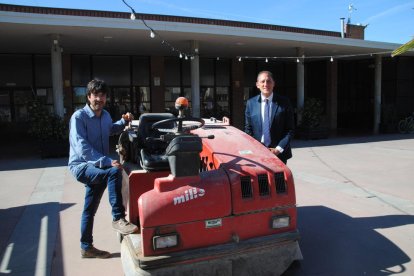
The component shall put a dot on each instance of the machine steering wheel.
(180, 129)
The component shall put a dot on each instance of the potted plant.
(310, 126)
(49, 129)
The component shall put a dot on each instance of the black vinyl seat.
(152, 152)
(184, 150)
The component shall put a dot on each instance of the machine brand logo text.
(189, 194)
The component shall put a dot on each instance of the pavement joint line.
(402, 205)
(370, 192)
(39, 222)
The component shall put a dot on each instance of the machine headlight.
(280, 222)
(165, 241)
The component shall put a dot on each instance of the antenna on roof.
(351, 8)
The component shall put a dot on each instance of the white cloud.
(389, 12)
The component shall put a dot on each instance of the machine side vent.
(246, 186)
(263, 184)
(280, 183)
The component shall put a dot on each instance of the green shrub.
(311, 113)
(44, 125)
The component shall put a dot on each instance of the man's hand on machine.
(115, 163)
(128, 117)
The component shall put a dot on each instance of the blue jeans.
(96, 180)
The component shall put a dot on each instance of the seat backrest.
(145, 131)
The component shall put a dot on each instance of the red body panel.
(196, 235)
(140, 182)
(184, 199)
(184, 205)
(241, 155)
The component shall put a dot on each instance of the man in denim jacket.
(90, 128)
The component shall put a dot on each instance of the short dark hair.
(266, 72)
(96, 86)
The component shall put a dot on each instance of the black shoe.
(92, 252)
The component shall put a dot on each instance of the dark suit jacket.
(282, 126)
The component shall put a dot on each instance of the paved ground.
(356, 205)
(355, 200)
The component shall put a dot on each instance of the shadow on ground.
(333, 243)
(28, 239)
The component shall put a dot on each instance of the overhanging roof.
(25, 30)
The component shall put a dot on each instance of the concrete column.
(57, 79)
(332, 94)
(195, 80)
(377, 95)
(300, 82)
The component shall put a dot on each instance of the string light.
(308, 58)
(154, 34)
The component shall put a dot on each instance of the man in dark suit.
(269, 118)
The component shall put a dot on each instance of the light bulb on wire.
(133, 16)
(181, 55)
(267, 60)
(239, 58)
(331, 59)
(152, 35)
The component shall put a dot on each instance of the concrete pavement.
(355, 200)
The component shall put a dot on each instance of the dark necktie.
(266, 124)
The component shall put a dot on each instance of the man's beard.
(97, 106)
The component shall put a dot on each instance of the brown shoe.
(124, 227)
(94, 253)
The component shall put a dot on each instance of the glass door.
(120, 102)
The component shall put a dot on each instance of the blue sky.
(388, 20)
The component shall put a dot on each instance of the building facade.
(51, 54)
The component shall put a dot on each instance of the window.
(81, 70)
(114, 70)
(120, 102)
(16, 70)
(20, 98)
(5, 112)
(142, 99)
(43, 71)
(141, 71)
(78, 97)
(13, 104)
(222, 98)
(215, 88)
(207, 102)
